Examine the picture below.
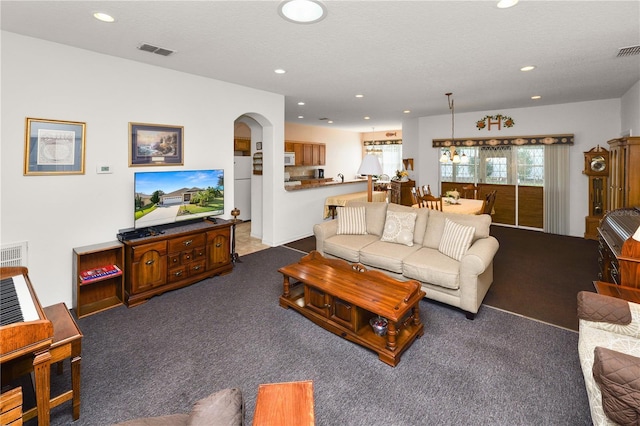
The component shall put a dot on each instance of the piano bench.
(67, 343)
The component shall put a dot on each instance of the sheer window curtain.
(556, 187)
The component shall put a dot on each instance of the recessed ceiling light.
(100, 16)
(300, 103)
(536, 97)
(528, 68)
(504, 4)
(330, 121)
(406, 111)
(302, 11)
(301, 116)
(359, 95)
(367, 118)
(279, 71)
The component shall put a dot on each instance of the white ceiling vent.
(155, 49)
(629, 51)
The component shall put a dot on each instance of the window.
(390, 157)
(503, 165)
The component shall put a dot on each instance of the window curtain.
(556, 188)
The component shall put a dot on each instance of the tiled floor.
(245, 244)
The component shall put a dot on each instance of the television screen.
(173, 196)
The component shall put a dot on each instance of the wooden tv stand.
(180, 256)
(342, 298)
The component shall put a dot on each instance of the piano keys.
(30, 338)
(16, 304)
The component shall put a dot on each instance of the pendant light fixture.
(453, 155)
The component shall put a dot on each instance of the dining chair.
(415, 198)
(470, 191)
(431, 202)
(489, 202)
(427, 190)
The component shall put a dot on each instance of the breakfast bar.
(332, 203)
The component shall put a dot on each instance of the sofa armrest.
(618, 375)
(322, 231)
(600, 308)
(479, 256)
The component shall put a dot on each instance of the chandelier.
(453, 156)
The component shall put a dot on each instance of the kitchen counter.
(309, 183)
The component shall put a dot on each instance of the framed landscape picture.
(155, 145)
(54, 147)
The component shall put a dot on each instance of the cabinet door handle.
(188, 257)
(219, 245)
(177, 274)
(188, 242)
(326, 305)
(150, 262)
(196, 268)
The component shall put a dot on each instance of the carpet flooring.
(536, 275)
(229, 331)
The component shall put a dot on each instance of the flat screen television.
(173, 196)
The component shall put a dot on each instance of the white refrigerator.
(242, 186)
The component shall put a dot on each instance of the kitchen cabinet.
(242, 144)
(307, 153)
(181, 256)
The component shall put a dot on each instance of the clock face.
(598, 164)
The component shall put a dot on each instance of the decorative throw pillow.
(351, 221)
(398, 227)
(456, 239)
(223, 408)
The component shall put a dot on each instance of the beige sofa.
(417, 255)
(609, 351)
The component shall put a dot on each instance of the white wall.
(630, 117)
(592, 123)
(57, 213)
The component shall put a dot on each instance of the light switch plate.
(103, 169)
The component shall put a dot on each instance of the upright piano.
(25, 332)
(616, 264)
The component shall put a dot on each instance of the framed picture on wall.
(155, 145)
(54, 147)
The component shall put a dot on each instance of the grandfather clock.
(596, 167)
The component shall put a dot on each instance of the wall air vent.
(14, 254)
(629, 51)
(155, 49)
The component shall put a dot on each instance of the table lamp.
(370, 166)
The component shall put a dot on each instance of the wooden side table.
(630, 294)
(285, 404)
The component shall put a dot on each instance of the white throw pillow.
(456, 239)
(352, 221)
(398, 227)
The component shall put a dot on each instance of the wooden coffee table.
(342, 298)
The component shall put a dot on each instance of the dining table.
(332, 203)
(461, 206)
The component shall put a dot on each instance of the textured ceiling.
(402, 55)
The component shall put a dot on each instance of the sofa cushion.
(600, 308)
(430, 266)
(435, 226)
(456, 239)
(351, 221)
(422, 216)
(223, 408)
(385, 255)
(348, 247)
(398, 227)
(375, 215)
(618, 375)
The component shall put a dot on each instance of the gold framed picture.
(54, 147)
